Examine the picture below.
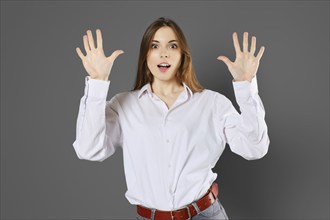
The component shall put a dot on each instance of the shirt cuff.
(96, 88)
(245, 89)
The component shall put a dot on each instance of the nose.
(164, 54)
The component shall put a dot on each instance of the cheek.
(177, 57)
(149, 62)
(151, 58)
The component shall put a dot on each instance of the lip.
(163, 70)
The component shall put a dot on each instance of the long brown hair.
(186, 72)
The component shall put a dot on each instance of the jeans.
(213, 212)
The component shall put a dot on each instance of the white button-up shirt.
(169, 153)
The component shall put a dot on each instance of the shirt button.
(170, 165)
(167, 141)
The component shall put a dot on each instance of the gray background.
(42, 81)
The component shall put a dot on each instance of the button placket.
(165, 120)
(169, 165)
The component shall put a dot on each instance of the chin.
(164, 77)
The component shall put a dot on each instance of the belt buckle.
(188, 210)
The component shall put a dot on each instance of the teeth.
(163, 65)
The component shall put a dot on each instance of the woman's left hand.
(246, 64)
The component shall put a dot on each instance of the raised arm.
(98, 131)
(246, 133)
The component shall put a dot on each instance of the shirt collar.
(147, 89)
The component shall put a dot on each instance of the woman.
(171, 130)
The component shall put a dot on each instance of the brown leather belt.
(185, 213)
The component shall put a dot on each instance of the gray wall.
(42, 81)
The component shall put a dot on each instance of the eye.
(153, 46)
(174, 46)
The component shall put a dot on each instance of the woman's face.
(164, 55)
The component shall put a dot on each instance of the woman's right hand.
(97, 65)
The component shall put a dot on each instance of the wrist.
(239, 79)
(100, 78)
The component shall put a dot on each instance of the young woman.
(171, 130)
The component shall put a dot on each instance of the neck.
(166, 87)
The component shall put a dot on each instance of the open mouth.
(163, 66)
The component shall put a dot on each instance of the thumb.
(225, 60)
(114, 55)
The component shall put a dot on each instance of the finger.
(245, 42)
(253, 45)
(261, 52)
(99, 39)
(80, 54)
(115, 54)
(225, 60)
(90, 39)
(236, 43)
(86, 45)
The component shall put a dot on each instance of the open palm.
(97, 65)
(246, 64)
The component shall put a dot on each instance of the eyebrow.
(169, 41)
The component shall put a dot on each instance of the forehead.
(164, 34)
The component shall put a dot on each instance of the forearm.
(91, 140)
(248, 132)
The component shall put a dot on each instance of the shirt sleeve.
(98, 131)
(246, 133)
